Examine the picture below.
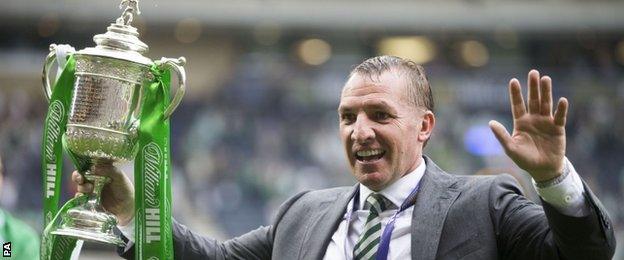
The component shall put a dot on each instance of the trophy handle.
(56, 52)
(45, 74)
(176, 65)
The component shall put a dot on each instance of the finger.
(501, 134)
(85, 188)
(562, 112)
(78, 194)
(106, 170)
(515, 97)
(533, 92)
(77, 177)
(546, 96)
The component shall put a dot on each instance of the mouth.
(369, 155)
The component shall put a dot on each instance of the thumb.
(501, 134)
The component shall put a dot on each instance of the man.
(19, 237)
(404, 205)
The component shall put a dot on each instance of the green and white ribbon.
(152, 168)
(152, 171)
(52, 246)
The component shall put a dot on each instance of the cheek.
(395, 147)
(345, 139)
(344, 135)
(404, 143)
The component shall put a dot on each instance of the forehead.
(387, 89)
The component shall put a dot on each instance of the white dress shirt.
(566, 195)
(348, 232)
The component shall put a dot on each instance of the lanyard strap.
(384, 243)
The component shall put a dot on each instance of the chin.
(375, 180)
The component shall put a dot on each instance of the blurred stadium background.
(259, 121)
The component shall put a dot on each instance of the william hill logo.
(53, 128)
(53, 122)
(152, 162)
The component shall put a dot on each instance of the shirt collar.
(399, 190)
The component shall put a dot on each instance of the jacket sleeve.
(256, 244)
(526, 230)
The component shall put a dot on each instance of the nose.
(363, 132)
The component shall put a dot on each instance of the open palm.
(537, 143)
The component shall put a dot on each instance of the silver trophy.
(103, 117)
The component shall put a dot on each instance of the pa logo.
(6, 249)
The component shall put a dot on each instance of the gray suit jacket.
(455, 217)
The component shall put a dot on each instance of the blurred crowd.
(269, 129)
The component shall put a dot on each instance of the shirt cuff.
(128, 230)
(565, 193)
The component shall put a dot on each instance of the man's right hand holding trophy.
(117, 196)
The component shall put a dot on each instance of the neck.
(415, 165)
(411, 169)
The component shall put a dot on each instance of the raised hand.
(538, 143)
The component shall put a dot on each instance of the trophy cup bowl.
(103, 117)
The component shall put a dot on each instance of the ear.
(427, 125)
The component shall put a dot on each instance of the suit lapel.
(436, 195)
(319, 234)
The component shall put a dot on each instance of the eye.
(347, 118)
(381, 116)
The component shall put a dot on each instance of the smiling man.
(384, 128)
(404, 206)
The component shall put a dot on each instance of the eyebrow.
(342, 109)
(371, 104)
(377, 104)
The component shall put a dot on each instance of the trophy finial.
(131, 7)
(122, 36)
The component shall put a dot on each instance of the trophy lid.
(121, 39)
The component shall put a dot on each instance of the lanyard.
(384, 243)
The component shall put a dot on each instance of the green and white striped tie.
(367, 245)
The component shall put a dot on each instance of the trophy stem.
(98, 184)
(90, 221)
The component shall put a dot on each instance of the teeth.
(372, 152)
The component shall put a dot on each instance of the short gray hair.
(418, 89)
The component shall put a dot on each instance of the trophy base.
(89, 221)
(90, 236)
